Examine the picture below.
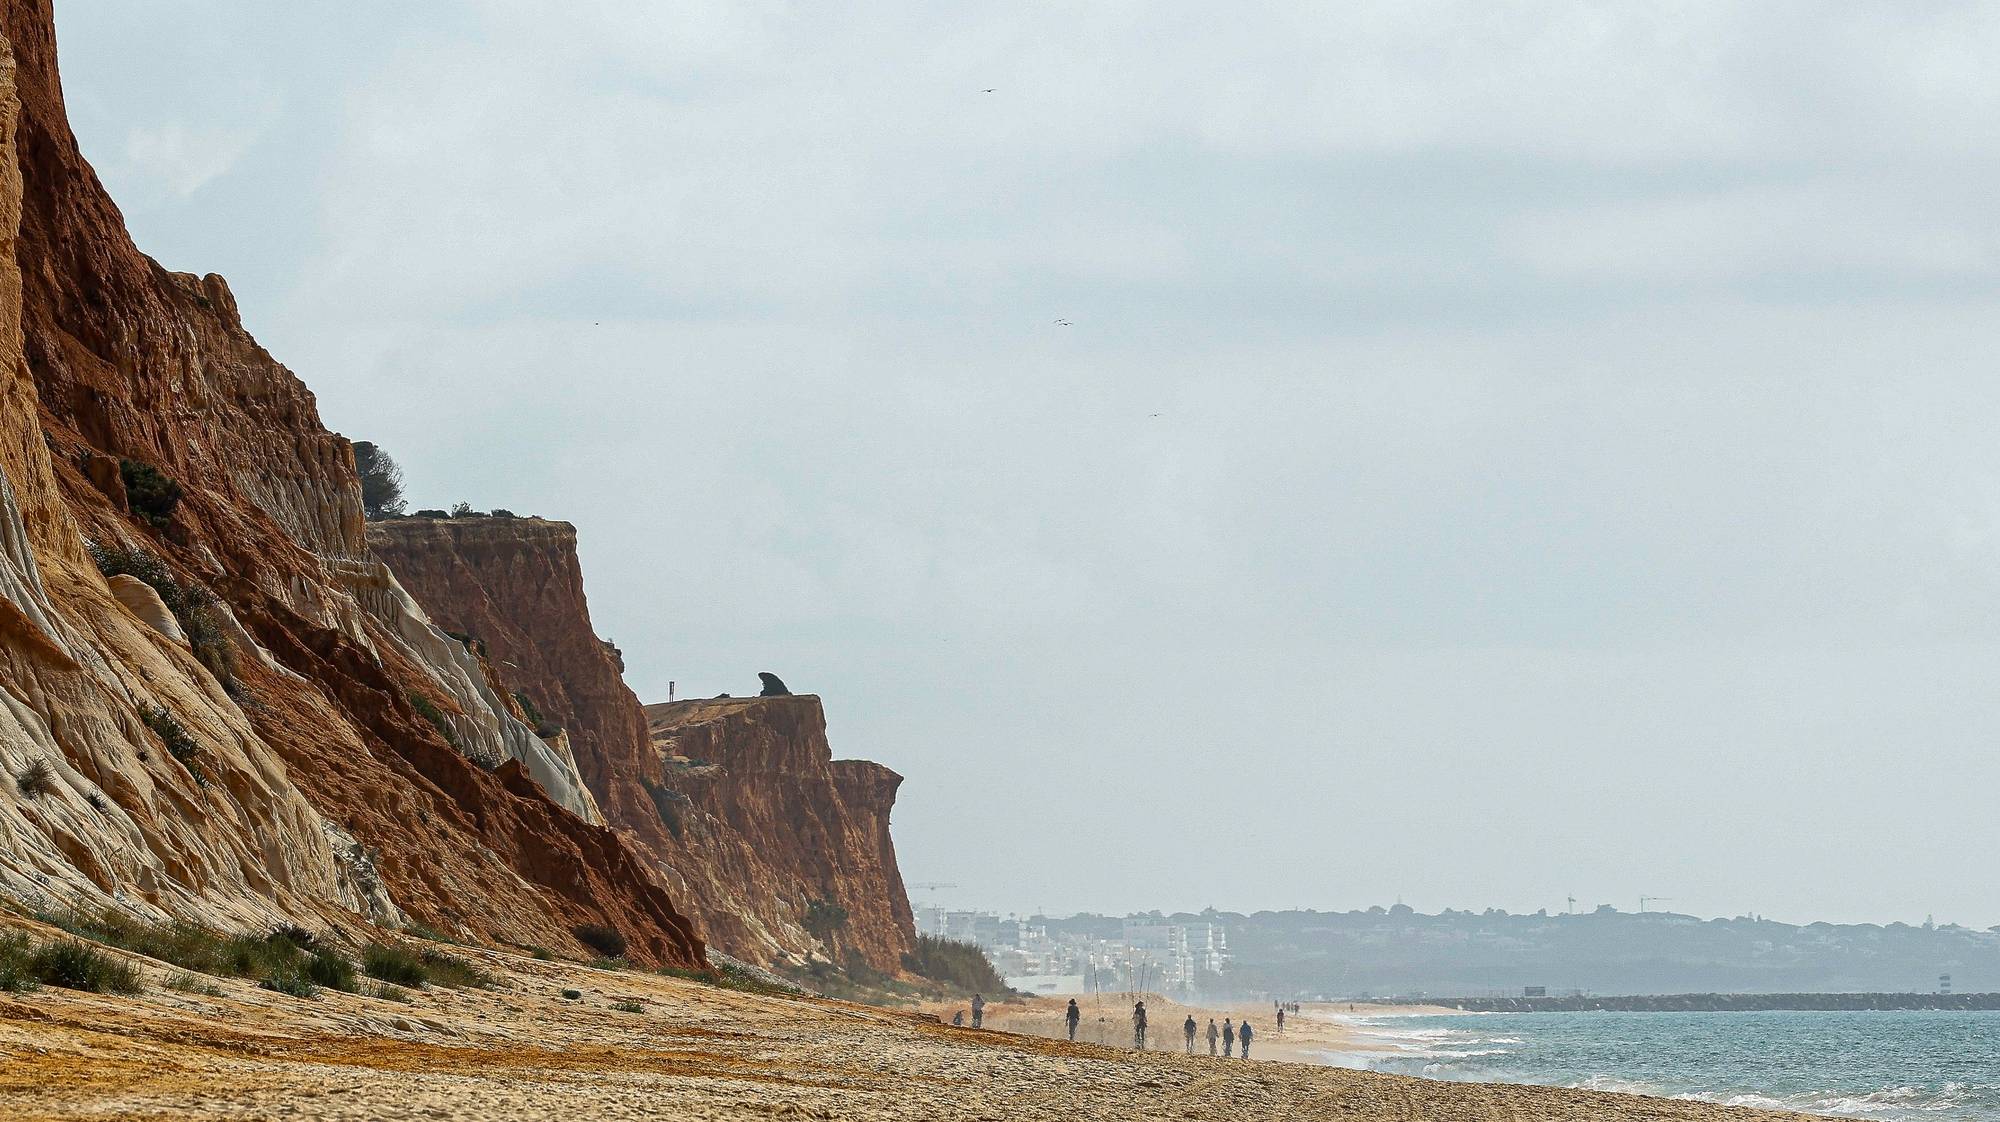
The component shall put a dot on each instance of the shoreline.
(1318, 1031)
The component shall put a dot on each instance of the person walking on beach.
(1071, 1016)
(1228, 1038)
(978, 1009)
(1281, 1018)
(1213, 1034)
(1139, 1027)
(1188, 1028)
(1244, 1032)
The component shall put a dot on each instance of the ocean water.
(1900, 1067)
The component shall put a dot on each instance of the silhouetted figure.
(978, 1009)
(1139, 1026)
(1071, 1016)
(1244, 1032)
(1187, 1028)
(774, 686)
(1228, 1038)
(1213, 1034)
(958, 1018)
(1281, 1018)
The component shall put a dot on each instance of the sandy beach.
(522, 1050)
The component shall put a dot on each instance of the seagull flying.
(1062, 323)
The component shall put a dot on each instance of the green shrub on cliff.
(191, 606)
(824, 919)
(332, 971)
(729, 977)
(428, 710)
(70, 963)
(76, 965)
(291, 982)
(37, 779)
(15, 976)
(606, 941)
(179, 742)
(289, 959)
(149, 493)
(954, 964)
(394, 964)
(402, 966)
(544, 728)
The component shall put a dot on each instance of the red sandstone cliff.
(766, 825)
(765, 796)
(320, 794)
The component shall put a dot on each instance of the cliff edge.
(763, 837)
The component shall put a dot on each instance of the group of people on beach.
(978, 1012)
(1230, 1034)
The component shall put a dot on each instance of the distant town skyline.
(1627, 907)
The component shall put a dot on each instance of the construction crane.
(1644, 900)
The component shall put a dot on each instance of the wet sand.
(523, 1051)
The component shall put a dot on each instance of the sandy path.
(524, 1052)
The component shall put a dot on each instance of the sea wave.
(1888, 1103)
(1886, 1071)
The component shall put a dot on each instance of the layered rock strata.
(784, 824)
(279, 759)
(750, 838)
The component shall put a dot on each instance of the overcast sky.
(1494, 451)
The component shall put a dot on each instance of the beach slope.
(522, 1050)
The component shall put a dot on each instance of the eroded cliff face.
(764, 795)
(749, 838)
(302, 783)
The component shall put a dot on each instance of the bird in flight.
(1062, 323)
(989, 91)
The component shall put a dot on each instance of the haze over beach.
(720, 560)
(1572, 427)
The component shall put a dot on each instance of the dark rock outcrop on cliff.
(765, 826)
(319, 789)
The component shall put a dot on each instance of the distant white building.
(1173, 957)
(1170, 958)
(930, 921)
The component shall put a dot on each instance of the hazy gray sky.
(1500, 450)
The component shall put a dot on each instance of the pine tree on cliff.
(381, 481)
(773, 686)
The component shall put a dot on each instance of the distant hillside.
(1398, 951)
